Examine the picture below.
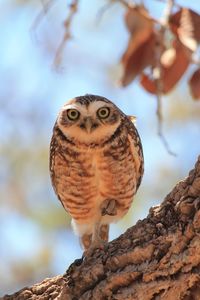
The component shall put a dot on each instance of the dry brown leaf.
(185, 24)
(170, 75)
(194, 84)
(137, 19)
(140, 51)
(138, 59)
(148, 83)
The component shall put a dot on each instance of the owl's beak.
(88, 124)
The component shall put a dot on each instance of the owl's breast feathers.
(85, 176)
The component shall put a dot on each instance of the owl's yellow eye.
(73, 114)
(103, 112)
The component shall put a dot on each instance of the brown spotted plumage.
(96, 165)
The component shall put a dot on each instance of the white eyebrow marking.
(91, 109)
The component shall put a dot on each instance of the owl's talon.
(108, 207)
(97, 245)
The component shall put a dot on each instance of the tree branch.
(158, 258)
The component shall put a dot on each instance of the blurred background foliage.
(36, 240)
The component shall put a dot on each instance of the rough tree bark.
(158, 258)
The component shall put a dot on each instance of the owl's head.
(89, 119)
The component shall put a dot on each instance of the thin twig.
(106, 6)
(158, 73)
(168, 12)
(160, 125)
(67, 35)
(175, 4)
(195, 60)
(102, 10)
(127, 4)
(46, 7)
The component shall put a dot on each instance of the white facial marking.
(101, 133)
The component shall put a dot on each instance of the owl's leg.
(96, 239)
(104, 231)
(100, 232)
(99, 237)
(86, 241)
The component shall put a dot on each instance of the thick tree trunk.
(158, 258)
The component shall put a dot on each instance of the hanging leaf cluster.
(165, 49)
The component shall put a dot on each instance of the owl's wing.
(54, 152)
(136, 148)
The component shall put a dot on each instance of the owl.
(96, 165)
